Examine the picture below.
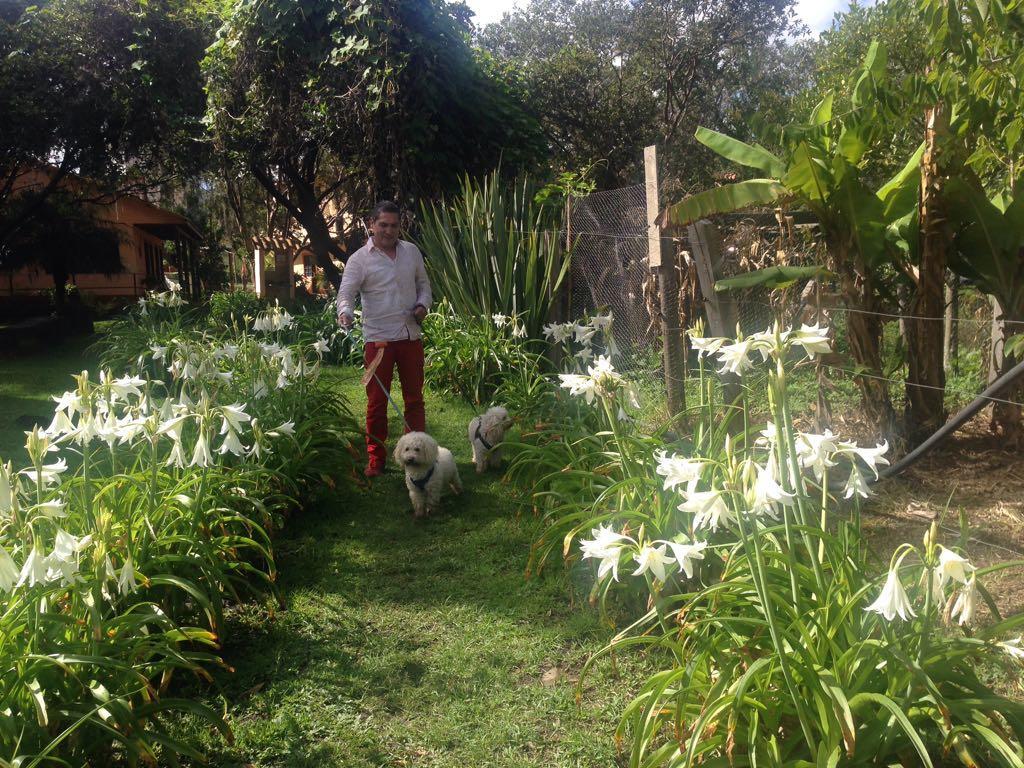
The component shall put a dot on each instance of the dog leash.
(487, 446)
(371, 373)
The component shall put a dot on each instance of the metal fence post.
(664, 261)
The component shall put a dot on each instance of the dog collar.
(422, 482)
(487, 446)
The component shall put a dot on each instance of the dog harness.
(487, 446)
(422, 482)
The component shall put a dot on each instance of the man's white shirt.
(389, 290)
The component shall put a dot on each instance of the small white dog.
(429, 469)
(485, 435)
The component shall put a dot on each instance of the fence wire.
(609, 271)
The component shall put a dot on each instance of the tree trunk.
(60, 290)
(926, 376)
(1006, 418)
(305, 208)
(864, 334)
(323, 245)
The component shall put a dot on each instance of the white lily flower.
(71, 402)
(61, 425)
(652, 559)
(735, 358)
(234, 417)
(606, 546)
(500, 320)
(232, 444)
(856, 485)
(893, 599)
(321, 346)
(706, 346)
(817, 451)
(767, 493)
(585, 355)
(708, 508)
(813, 338)
(685, 554)
(870, 456)
(519, 331)
(966, 602)
(583, 333)
(953, 566)
(601, 322)
(33, 571)
(613, 348)
(176, 456)
(127, 385)
(577, 384)
(201, 456)
(287, 428)
(49, 475)
(8, 571)
(679, 470)
(67, 547)
(1014, 648)
(126, 580)
(54, 508)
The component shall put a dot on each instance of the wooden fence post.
(664, 261)
(706, 249)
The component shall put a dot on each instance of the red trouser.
(408, 355)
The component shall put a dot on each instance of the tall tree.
(607, 77)
(109, 89)
(322, 100)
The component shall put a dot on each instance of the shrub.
(150, 502)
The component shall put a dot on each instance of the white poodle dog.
(485, 435)
(429, 469)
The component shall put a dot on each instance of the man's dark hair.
(385, 206)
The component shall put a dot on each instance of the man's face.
(385, 230)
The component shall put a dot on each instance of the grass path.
(415, 643)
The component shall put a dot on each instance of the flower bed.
(149, 503)
(743, 543)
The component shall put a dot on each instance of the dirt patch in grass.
(972, 475)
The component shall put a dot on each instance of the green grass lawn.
(402, 642)
(26, 385)
(416, 643)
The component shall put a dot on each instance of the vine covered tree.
(348, 102)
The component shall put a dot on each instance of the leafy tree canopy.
(607, 77)
(109, 89)
(356, 101)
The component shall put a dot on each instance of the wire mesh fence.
(609, 271)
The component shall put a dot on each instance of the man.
(389, 276)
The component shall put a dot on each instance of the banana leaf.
(772, 278)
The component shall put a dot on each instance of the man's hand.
(345, 321)
(419, 312)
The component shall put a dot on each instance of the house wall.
(123, 213)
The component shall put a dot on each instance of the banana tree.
(990, 251)
(821, 172)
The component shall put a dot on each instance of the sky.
(816, 14)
